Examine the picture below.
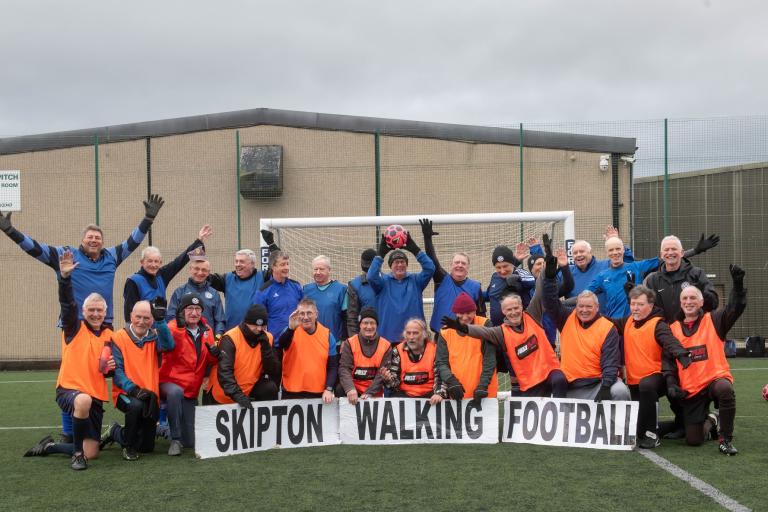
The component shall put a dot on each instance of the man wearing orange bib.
(708, 378)
(649, 348)
(409, 368)
(136, 383)
(467, 365)
(361, 358)
(247, 363)
(524, 343)
(80, 388)
(590, 346)
(310, 361)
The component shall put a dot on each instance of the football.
(395, 236)
(765, 392)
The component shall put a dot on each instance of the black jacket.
(226, 374)
(668, 286)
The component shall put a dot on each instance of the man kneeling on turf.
(708, 377)
(247, 363)
(136, 384)
(362, 356)
(80, 387)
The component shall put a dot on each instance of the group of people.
(627, 330)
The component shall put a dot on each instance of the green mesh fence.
(715, 183)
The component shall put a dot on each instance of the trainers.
(726, 446)
(107, 438)
(130, 454)
(649, 441)
(175, 448)
(79, 462)
(713, 434)
(163, 431)
(39, 449)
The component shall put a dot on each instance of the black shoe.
(713, 433)
(107, 438)
(649, 441)
(675, 434)
(79, 462)
(726, 446)
(39, 449)
(130, 454)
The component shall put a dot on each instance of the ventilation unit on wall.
(261, 172)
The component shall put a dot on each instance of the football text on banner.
(569, 422)
(229, 429)
(415, 420)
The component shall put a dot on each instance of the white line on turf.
(746, 369)
(26, 428)
(700, 485)
(24, 381)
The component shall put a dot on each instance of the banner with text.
(222, 430)
(415, 420)
(570, 422)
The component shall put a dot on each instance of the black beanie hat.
(368, 313)
(256, 315)
(502, 253)
(532, 259)
(191, 299)
(367, 258)
(396, 255)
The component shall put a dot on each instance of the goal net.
(343, 239)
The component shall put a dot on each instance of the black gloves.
(152, 206)
(180, 321)
(480, 393)
(244, 402)
(426, 228)
(452, 323)
(630, 282)
(383, 247)
(547, 243)
(5, 223)
(737, 274)
(513, 282)
(706, 244)
(151, 407)
(214, 350)
(685, 360)
(455, 389)
(268, 236)
(159, 306)
(411, 246)
(141, 393)
(603, 394)
(676, 392)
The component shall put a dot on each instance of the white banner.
(10, 191)
(222, 430)
(569, 422)
(414, 420)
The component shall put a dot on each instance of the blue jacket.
(583, 278)
(281, 300)
(146, 290)
(446, 294)
(498, 289)
(609, 286)
(398, 301)
(213, 310)
(91, 276)
(331, 302)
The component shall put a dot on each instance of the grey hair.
(589, 246)
(249, 253)
(422, 325)
(148, 249)
(322, 258)
(586, 294)
(672, 238)
(92, 227)
(93, 297)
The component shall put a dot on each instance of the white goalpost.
(342, 240)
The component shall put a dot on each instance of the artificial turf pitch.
(419, 477)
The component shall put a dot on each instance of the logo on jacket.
(208, 295)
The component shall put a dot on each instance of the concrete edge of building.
(703, 172)
(318, 121)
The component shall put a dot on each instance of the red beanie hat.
(463, 304)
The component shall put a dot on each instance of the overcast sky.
(75, 64)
